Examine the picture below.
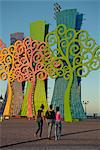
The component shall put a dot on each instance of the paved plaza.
(17, 134)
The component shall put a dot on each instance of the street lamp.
(1, 103)
(1, 99)
(85, 104)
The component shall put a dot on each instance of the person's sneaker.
(49, 137)
(56, 138)
(39, 137)
(35, 135)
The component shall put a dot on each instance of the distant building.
(18, 88)
(16, 36)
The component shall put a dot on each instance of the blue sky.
(16, 15)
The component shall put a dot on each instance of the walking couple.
(53, 119)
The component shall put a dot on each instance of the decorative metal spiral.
(28, 63)
(77, 49)
(63, 51)
(6, 63)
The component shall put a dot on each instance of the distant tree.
(80, 55)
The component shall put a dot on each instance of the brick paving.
(17, 134)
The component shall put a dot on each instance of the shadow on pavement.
(18, 143)
(80, 132)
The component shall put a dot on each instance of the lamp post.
(1, 103)
(1, 99)
(85, 104)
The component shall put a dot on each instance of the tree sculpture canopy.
(65, 50)
(23, 61)
(7, 63)
(71, 50)
(28, 63)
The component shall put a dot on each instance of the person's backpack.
(50, 114)
(53, 114)
(47, 115)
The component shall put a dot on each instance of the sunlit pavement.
(18, 134)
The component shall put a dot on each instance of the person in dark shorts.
(39, 119)
(50, 117)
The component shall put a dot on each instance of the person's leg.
(49, 128)
(59, 129)
(41, 127)
(51, 124)
(56, 130)
(38, 127)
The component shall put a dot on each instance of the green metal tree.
(80, 56)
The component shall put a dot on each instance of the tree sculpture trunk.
(29, 110)
(67, 108)
(8, 103)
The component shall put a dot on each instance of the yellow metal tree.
(6, 73)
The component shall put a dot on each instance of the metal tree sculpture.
(81, 55)
(28, 62)
(22, 62)
(6, 72)
(28, 66)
